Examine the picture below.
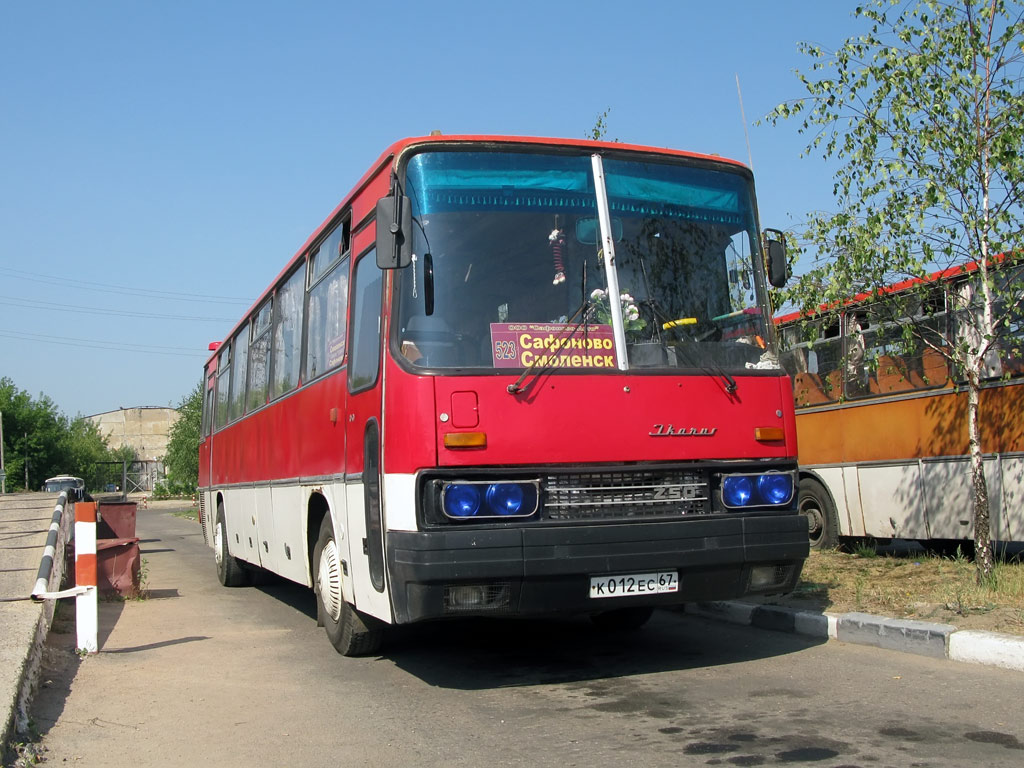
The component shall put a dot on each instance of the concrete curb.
(943, 641)
(25, 628)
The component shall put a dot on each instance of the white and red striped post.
(86, 604)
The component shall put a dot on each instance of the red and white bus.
(435, 410)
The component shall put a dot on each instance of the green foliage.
(87, 447)
(865, 549)
(37, 433)
(170, 489)
(32, 435)
(182, 459)
(922, 114)
(600, 129)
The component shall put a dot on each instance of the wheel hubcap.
(328, 580)
(815, 520)
(218, 543)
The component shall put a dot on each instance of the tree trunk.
(982, 533)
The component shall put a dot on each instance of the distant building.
(146, 429)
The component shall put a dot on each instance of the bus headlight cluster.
(771, 489)
(476, 499)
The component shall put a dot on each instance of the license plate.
(632, 584)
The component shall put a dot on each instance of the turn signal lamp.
(465, 440)
(771, 489)
(769, 434)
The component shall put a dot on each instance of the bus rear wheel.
(822, 520)
(350, 632)
(230, 572)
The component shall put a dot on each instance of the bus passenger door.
(364, 527)
(206, 517)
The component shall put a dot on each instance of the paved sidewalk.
(25, 520)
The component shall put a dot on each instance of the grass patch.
(188, 514)
(915, 585)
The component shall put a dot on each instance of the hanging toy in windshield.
(557, 242)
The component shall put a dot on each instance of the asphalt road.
(202, 675)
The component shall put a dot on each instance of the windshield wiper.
(535, 368)
(583, 312)
(517, 387)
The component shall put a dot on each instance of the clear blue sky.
(162, 161)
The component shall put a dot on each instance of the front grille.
(626, 494)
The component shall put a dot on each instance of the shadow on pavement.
(58, 667)
(471, 654)
(110, 611)
(288, 592)
(162, 644)
(478, 654)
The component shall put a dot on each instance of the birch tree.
(922, 115)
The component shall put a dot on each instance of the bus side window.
(287, 354)
(259, 358)
(240, 345)
(326, 321)
(327, 310)
(208, 404)
(364, 349)
(220, 409)
(1011, 339)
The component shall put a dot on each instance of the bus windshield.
(509, 248)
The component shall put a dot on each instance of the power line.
(50, 306)
(148, 349)
(123, 289)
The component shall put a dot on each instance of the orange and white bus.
(881, 417)
(511, 376)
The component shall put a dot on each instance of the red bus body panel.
(293, 438)
(582, 419)
(561, 419)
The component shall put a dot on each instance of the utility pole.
(3, 472)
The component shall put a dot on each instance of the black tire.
(350, 632)
(822, 521)
(622, 619)
(230, 572)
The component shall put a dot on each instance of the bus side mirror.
(394, 232)
(775, 247)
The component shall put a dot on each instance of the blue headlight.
(737, 490)
(775, 488)
(461, 500)
(505, 498)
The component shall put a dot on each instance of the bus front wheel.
(822, 520)
(351, 633)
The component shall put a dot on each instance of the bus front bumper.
(528, 571)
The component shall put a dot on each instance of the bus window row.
(296, 334)
(867, 352)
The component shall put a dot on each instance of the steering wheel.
(668, 325)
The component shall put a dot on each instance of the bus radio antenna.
(743, 118)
